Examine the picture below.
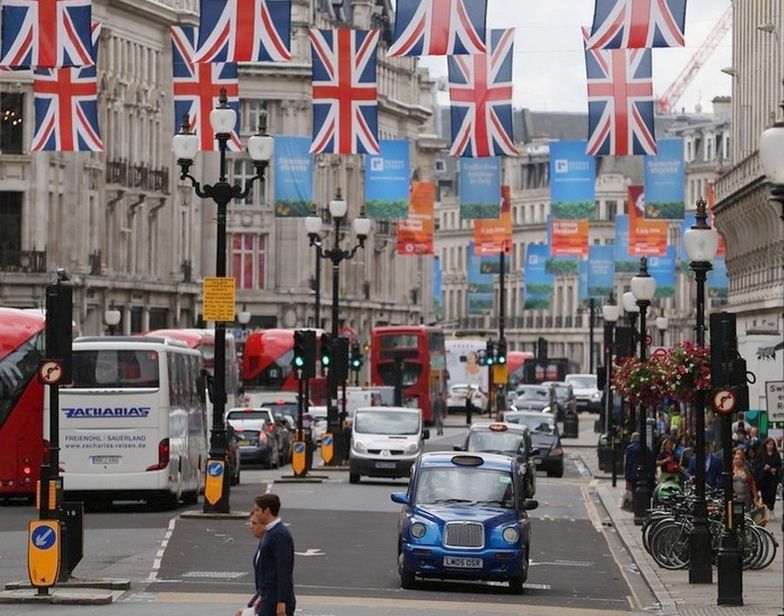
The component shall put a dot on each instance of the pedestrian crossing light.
(501, 352)
(326, 349)
(298, 361)
(490, 354)
(356, 356)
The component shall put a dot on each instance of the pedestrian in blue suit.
(274, 567)
(257, 529)
(713, 478)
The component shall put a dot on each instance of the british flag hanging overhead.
(439, 28)
(345, 104)
(198, 86)
(637, 24)
(480, 94)
(66, 107)
(244, 31)
(620, 102)
(46, 33)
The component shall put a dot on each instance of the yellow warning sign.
(213, 485)
(298, 460)
(327, 445)
(43, 552)
(218, 299)
(500, 374)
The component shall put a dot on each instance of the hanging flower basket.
(687, 370)
(642, 382)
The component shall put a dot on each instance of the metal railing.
(33, 261)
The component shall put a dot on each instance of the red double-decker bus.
(415, 354)
(22, 335)
(515, 361)
(266, 364)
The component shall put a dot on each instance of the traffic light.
(298, 361)
(340, 359)
(356, 356)
(501, 352)
(305, 352)
(326, 350)
(490, 353)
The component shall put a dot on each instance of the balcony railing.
(33, 261)
(137, 176)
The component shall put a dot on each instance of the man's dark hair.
(268, 501)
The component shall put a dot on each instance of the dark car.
(532, 398)
(257, 440)
(544, 436)
(464, 517)
(506, 439)
(565, 399)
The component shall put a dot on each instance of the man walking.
(275, 564)
(439, 411)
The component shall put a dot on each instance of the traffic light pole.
(501, 402)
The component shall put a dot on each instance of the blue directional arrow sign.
(299, 447)
(327, 440)
(44, 537)
(215, 469)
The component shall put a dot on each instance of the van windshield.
(386, 422)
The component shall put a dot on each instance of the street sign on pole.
(219, 292)
(43, 552)
(774, 395)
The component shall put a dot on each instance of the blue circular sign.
(44, 537)
(299, 447)
(327, 440)
(215, 469)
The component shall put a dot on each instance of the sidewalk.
(762, 590)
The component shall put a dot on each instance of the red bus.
(422, 352)
(266, 364)
(22, 336)
(515, 361)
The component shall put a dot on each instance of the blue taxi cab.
(465, 517)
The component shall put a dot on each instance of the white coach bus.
(133, 424)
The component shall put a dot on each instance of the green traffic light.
(502, 360)
(299, 362)
(325, 360)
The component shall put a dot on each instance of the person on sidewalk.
(769, 473)
(744, 487)
(712, 468)
(631, 468)
(257, 529)
(439, 411)
(275, 565)
(666, 462)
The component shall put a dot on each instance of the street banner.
(415, 233)
(664, 181)
(493, 236)
(710, 197)
(686, 224)
(480, 188)
(624, 262)
(718, 282)
(538, 283)
(572, 181)
(480, 286)
(491, 264)
(569, 238)
(438, 289)
(601, 271)
(646, 237)
(387, 181)
(582, 284)
(562, 266)
(662, 269)
(293, 176)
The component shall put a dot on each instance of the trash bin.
(605, 454)
(571, 426)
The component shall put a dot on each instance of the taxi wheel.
(516, 585)
(557, 471)
(407, 578)
(353, 477)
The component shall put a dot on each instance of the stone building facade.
(135, 238)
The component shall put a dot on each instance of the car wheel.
(353, 477)
(407, 578)
(516, 585)
(556, 471)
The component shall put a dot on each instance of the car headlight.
(360, 447)
(596, 395)
(511, 534)
(411, 448)
(418, 530)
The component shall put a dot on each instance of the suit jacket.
(713, 478)
(274, 567)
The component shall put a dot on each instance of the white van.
(385, 441)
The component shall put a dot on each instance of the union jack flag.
(345, 105)
(244, 31)
(66, 107)
(480, 92)
(637, 24)
(620, 102)
(198, 86)
(439, 28)
(46, 33)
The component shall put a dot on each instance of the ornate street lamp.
(643, 289)
(610, 316)
(313, 225)
(662, 323)
(260, 147)
(112, 318)
(630, 308)
(701, 243)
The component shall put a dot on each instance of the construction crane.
(672, 95)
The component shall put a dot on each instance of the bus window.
(115, 368)
(16, 369)
(411, 372)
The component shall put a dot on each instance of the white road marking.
(593, 514)
(311, 552)
(156, 565)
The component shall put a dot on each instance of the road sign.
(501, 374)
(50, 372)
(774, 394)
(218, 299)
(298, 461)
(327, 445)
(724, 401)
(213, 485)
(43, 552)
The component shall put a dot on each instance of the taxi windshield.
(461, 485)
(509, 443)
(535, 423)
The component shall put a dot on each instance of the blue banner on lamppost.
(388, 181)
(480, 188)
(582, 282)
(601, 271)
(293, 176)
(662, 269)
(480, 285)
(624, 262)
(664, 181)
(438, 289)
(538, 283)
(572, 181)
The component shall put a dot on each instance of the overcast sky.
(549, 64)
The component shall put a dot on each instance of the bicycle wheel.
(670, 545)
(771, 547)
(650, 526)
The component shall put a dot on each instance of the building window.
(10, 228)
(251, 111)
(248, 260)
(244, 171)
(11, 125)
(612, 208)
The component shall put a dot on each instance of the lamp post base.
(730, 585)
(642, 502)
(700, 566)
